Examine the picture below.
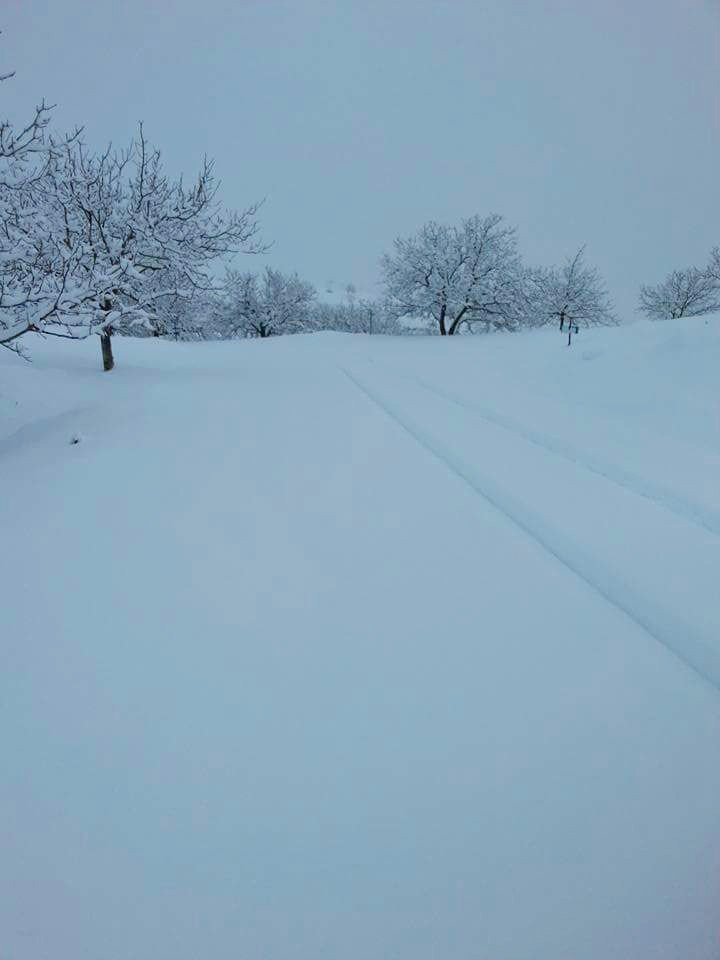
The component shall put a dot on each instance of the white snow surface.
(359, 647)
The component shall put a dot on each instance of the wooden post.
(106, 347)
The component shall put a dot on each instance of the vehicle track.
(649, 490)
(680, 638)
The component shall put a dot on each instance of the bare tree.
(455, 277)
(713, 267)
(572, 296)
(117, 235)
(268, 305)
(28, 142)
(684, 293)
(20, 145)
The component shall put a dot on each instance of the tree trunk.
(106, 347)
(443, 311)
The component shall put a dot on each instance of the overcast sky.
(591, 121)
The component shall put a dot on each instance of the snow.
(342, 646)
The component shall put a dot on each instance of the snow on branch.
(94, 241)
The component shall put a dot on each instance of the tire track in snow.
(706, 519)
(679, 637)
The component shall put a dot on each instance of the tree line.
(108, 243)
(446, 279)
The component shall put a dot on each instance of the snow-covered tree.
(197, 317)
(684, 293)
(24, 156)
(354, 315)
(22, 145)
(454, 277)
(116, 235)
(359, 314)
(19, 146)
(178, 313)
(265, 306)
(571, 295)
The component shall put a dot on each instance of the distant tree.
(571, 296)
(713, 267)
(265, 306)
(683, 293)
(354, 315)
(357, 314)
(363, 316)
(116, 236)
(456, 276)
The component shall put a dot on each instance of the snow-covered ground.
(346, 647)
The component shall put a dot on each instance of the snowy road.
(626, 551)
(302, 656)
(648, 488)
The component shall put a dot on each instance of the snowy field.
(350, 648)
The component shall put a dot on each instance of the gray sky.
(579, 121)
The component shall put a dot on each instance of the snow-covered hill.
(351, 647)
